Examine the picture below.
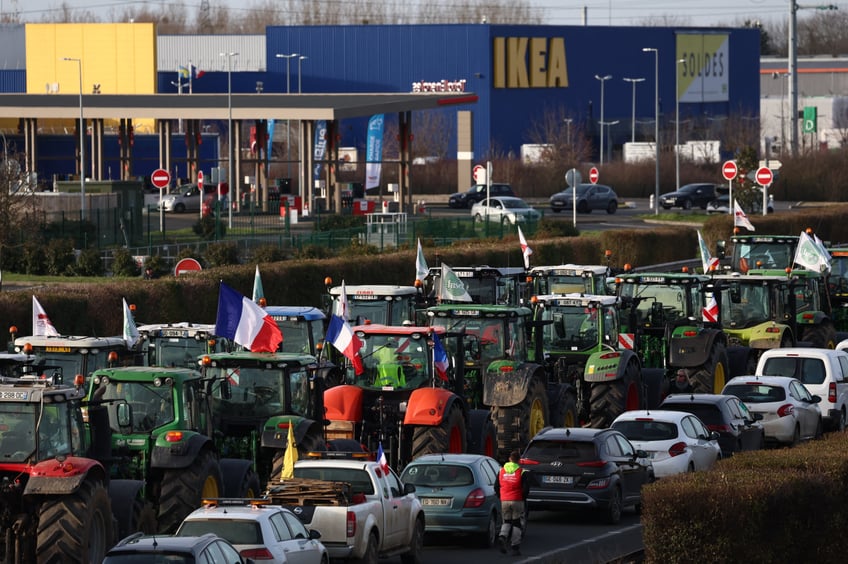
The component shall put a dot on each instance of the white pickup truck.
(824, 372)
(362, 512)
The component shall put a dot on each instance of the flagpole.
(190, 73)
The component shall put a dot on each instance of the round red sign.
(160, 178)
(200, 180)
(186, 265)
(729, 170)
(764, 176)
(593, 175)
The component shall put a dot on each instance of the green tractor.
(580, 338)
(178, 344)
(663, 322)
(256, 397)
(485, 284)
(500, 374)
(162, 435)
(837, 286)
(757, 313)
(568, 279)
(750, 252)
(813, 321)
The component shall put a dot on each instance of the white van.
(823, 372)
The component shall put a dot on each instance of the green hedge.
(781, 505)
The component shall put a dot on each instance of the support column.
(405, 130)
(30, 126)
(97, 149)
(235, 192)
(464, 148)
(333, 139)
(307, 129)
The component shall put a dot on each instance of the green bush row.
(781, 505)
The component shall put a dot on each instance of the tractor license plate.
(437, 501)
(14, 395)
(564, 480)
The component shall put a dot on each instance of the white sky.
(556, 12)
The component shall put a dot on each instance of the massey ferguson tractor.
(55, 502)
(403, 400)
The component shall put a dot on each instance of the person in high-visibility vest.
(512, 486)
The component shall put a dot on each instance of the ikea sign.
(529, 62)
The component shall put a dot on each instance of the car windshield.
(436, 474)
(515, 204)
(580, 190)
(647, 430)
(237, 531)
(550, 450)
(756, 392)
(808, 370)
(709, 414)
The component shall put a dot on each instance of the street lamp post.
(609, 145)
(656, 53)
(677, 123)
(603, 79)
(288, 57)
(633, 81)
(81, 139)
(230, 183)
(300, 60)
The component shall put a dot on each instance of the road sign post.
(593, 175)
(729, 171)
(764, 178)
(187, 265)
(573, 179)
(161, 179)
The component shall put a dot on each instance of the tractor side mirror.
(226, 389)
(124, 414)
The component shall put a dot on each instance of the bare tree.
(16, 204)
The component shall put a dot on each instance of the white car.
(791, 414)
(505, 209)
(824, 372)
(264, 533)
(182, 199)
(675, 441)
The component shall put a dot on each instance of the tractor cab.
(485, 284)
(179, 344)
(302, 328)
(78, 354)
(377, 303)
(568, 279)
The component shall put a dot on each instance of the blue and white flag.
(374, 151)
(320, 147)
(270, 130)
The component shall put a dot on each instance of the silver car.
(182, 199)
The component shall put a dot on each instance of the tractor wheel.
(76, 527)
(608, 401)
(822, 336)
(448, 436)
(517, 424)
(239, 481)
(482, 436)
(183, 489)
(144, 518)
(564, 410)
(712, 376)
(310, 443)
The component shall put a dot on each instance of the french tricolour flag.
(345, 340)
(381, 458)
(244, 322)
(440, 358)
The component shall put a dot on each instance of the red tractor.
(403, 400)
(55, 503)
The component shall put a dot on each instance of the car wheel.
(488, 538)
(691, 467)
(416, 544)
(687, 204)
(613, 515)
(819, 430)
(796, 437)
(583, 207)
(478, 218)
(613, 205)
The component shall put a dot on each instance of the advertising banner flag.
(374, 151)
(320, 147)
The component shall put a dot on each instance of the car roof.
(147, 543)
(251, 512)
(782, 381)
(654, 415)
(568, 433)
(451, 457)
(803, 351)
(683, 399)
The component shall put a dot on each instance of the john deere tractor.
(256, 397)
(500, 373)
(664, 322)
(580, 337)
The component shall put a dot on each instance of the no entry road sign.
(160, 178)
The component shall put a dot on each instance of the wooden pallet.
(304, 491)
